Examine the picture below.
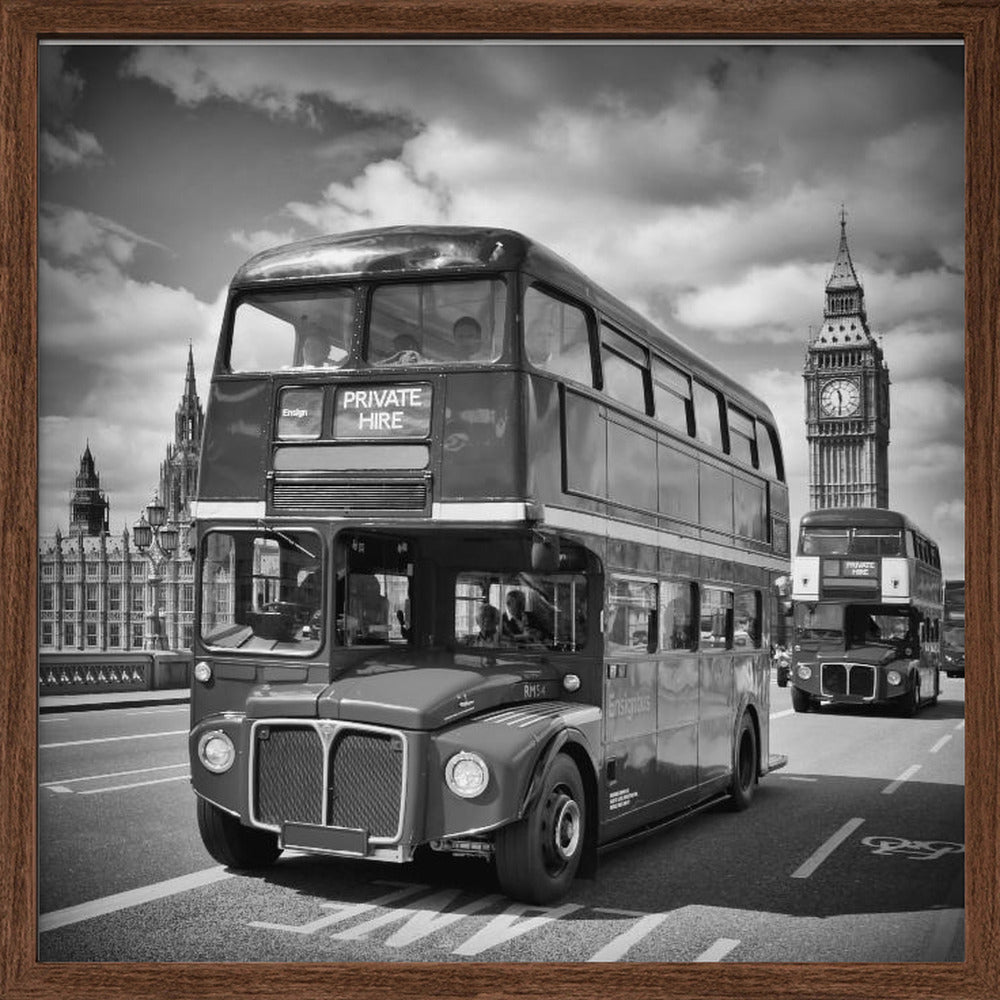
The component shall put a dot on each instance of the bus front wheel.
(233, 844)
(744, 766)
(801, 700)
(537, 857)
(911, 700)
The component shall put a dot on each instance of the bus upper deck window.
(280, 330)
(557, 336)
(435, 322)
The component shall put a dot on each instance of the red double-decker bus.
(485, 563)
(868, 614)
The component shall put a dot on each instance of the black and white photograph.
(501, 501)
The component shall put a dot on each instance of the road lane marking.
(111, 774)
(781, 715)
(816, 859)
(423, 917)
(718, 951)
(155, 711)
(54, 718)
(111, 739)
(511, 924)
(940, 743)
(961, 725)
(905, 776)
(795, 777)
(344, 911)
(134, 784)
(616, 948)
(133, 897)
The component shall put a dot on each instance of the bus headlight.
(894, 677)
(466, 774)
(804, 671)
(216, 751)
(203, 671)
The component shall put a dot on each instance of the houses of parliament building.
(94, 592)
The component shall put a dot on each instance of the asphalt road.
(853, 853)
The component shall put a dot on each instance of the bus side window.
(748, 619)
(716, 618)
(557, 336)
(677, 615)
(632, 624)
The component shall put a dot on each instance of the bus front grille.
(366, 780)
(289, 775)
(854, 679)
(366, 494)
(329, 774)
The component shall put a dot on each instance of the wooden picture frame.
(25, 23)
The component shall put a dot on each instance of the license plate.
(333, 839)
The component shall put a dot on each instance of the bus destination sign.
(857, 567)
(383, 412)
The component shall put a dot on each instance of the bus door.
(677, 692)
(630, 696)
(716, 685)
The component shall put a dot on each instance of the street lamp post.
(157, 541)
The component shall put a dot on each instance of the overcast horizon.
(700, 183)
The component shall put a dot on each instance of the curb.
(111, 699)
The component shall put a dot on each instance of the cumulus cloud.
(112, 357)
(73, 148)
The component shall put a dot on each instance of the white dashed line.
(616, 948)
(134, 897)
(812, 863)
(904, 777)
(111, 739)
(940, 743)
(718, 951)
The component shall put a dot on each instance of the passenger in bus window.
(519, 623)
(315, 352)
(488, 620)
(468, 337)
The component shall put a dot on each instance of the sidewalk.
(112, 699)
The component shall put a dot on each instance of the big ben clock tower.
(847, 398)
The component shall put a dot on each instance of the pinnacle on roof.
(843, 276)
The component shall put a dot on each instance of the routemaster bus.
(867, 606)
(485, 563)
(953, 634)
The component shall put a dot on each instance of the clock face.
(840, 397)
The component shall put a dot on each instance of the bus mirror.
(544, 554)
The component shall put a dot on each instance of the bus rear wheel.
(233, 844)
(744, 766)
(538, 856)
(801, 700)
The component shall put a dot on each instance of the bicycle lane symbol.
(912, 850)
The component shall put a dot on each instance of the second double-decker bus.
(866, 591)
(485, 563)
(953, 633)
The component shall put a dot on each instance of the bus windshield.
(437, 321)
(261, 591)
(298, 329)
(851, 542)
(521, 610)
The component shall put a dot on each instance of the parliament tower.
(847, 398)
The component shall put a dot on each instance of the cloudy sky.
(700, 183)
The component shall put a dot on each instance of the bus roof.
(858, 517)
(402, 250)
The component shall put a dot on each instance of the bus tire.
(233, 844)
(911, 700)
(801, 700)
(744, 779)
(538, 856)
